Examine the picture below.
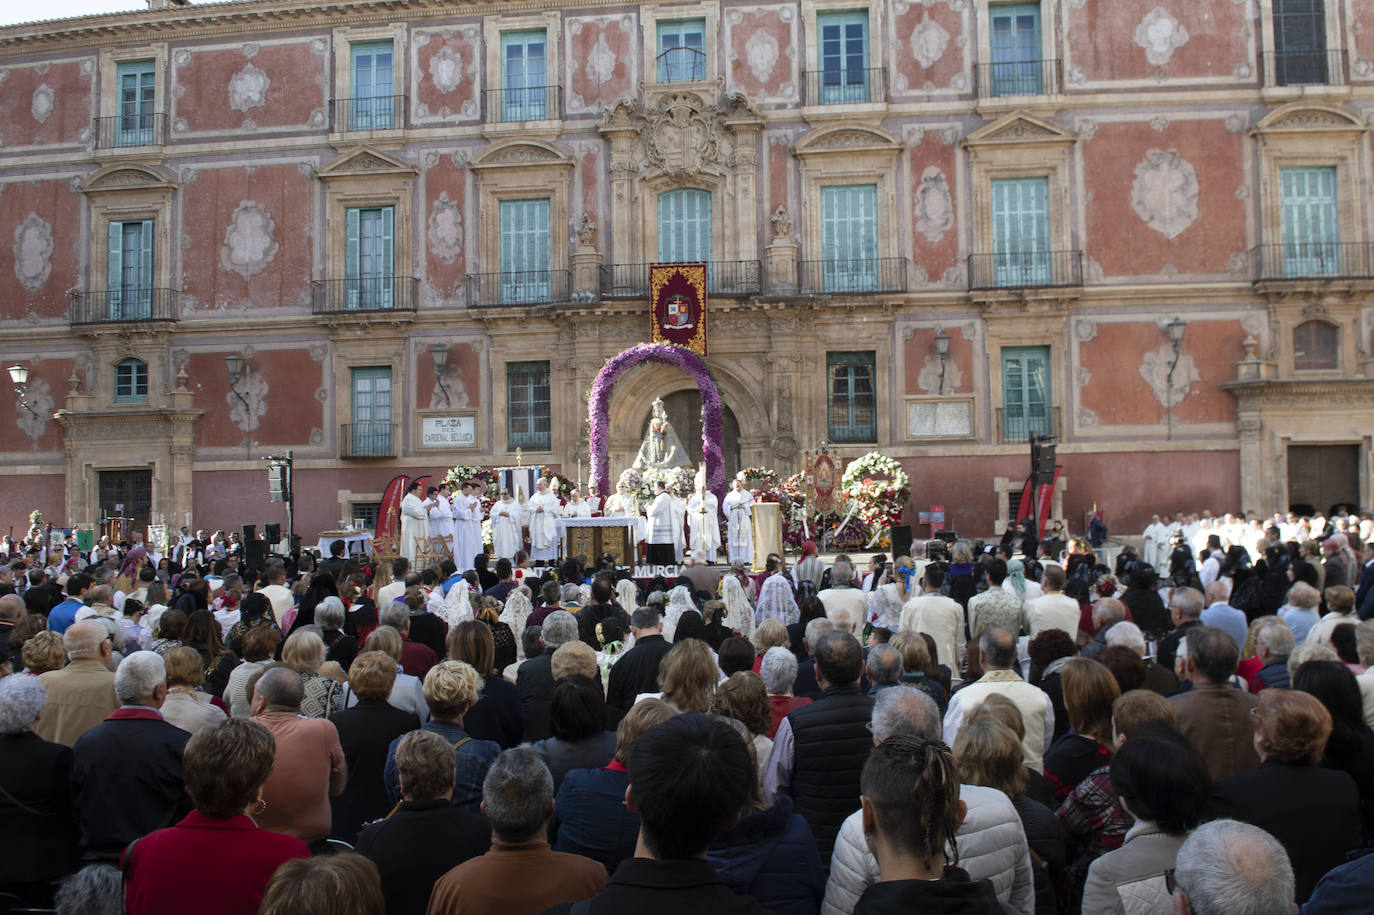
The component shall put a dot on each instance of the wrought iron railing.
(1025, 269)
(147, 129)
(1016, 77)
(631, 281)
(533, 103)
(123, 306)
(852, 276)
(1313, 260)
(363, 294)
(680, 65)
(1016, 424)
(845, 86)
(1304, 68)
(377, 112)
(367, 440)
(524, 287)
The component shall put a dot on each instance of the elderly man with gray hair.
(520, 873)
(805, 684)
(534, 678)
(1185, 609)
(779, 672)
(884, 668)
(845, 604)
(1128, 635)
(1231, 868)
(82, 694)
(126, 771)
(1273, 644)
(991, 839)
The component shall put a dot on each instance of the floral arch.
(598, 406)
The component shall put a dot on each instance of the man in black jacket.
(602, 606)
(534, 678)
(637, 671)
(334, 565)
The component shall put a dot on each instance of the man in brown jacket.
(520, 875)
(1214, 714)
(82, 694)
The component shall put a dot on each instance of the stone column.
(781, 255)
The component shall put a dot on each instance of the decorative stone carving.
(1159, 123)
(929, 379)
(1155, 370)
(40, 397)
(33, 247)
(934, 205)
(761, 51)
(1160, 34)
(928, 41)
(457, 396)
(250, 241)
(1236, 122)
(1087, 417)
(446, 70)
(600, 61)
(318, 351)
(679, 138)
(1084, 330)
(1084, 376)
(445, 229)
(42, 103)
(1165, 192)
(586, 232)
(782, 222)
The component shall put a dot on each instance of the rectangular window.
(366, 512)
(371, 106)
(1016, 63)
(137, 87)
(1021, 232)
(1026, 392)
(844, 76)
(1311, 222)
(524, 251)
(1300, 43)
(129, 270)
(852, 408)
(682, 51)
(527, 406)
(131, 381)
(849, 238)
(369, 249)
(524, 77)
(684, 226)
(370, 432)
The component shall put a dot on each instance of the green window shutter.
(524, 76)
(524, 256)
(371, 410)
(1016, 48)
(352, 258)
(137, 87)
(684, 226)
(1310, 214)
(145, 269)
(849, 238)
(386, 257)
(681, 50)
(1021, 231)
(373, 85)
(114, 268)
(528, 411)
(852, 405)
(1026, 391)
(843, 57)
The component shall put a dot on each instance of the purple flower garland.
(712, 421)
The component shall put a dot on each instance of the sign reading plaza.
(448, 432)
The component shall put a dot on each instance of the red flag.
(1025, 508)
(388, 512)
(1045, 498)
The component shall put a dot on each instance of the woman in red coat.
(224, 767)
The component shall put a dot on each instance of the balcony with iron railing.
(724, 278)
(1025, 270)
(1017, 424)
(1001, 79)
(1313, 261)
(514, 288)
(367, 440)
(532, 103)
(380, 112)
(123, 306)
(1303, 68)
(680, 65)
(148, 129)
(850, 86)
(852, 276)
(364, 294)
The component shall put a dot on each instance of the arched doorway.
(684, 412)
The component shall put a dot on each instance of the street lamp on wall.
(236, 366)
(439, 353)
(1176, 327)
(19, 375)
(942, 350)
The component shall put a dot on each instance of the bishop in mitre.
(540, 511)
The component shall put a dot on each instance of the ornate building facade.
(395, 239)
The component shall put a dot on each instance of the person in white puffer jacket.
(992, 843)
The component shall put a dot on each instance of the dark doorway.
(126, 493)
(1320, 476)
(684, 412)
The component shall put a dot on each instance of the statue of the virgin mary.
(661, 448)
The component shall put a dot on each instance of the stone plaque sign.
(939, 418)
(448, 432)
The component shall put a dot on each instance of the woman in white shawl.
(679, 602)
(514, 614)
(457, 607)
(739, 616)
(776, 602)
(890, 594)
(626, 595)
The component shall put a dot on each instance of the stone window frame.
(1051, 47)
(111, 58)
(520, 170)
(1323, 321)
(134, 398)
(649, 16)
(828, 162)
(1334, 41)
(343, 39)
(877, 43)
(493, 27)
(125, 192)
(391, 183)
(651, 188)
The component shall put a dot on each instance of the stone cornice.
(1332, 391)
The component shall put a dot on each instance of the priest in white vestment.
(703, 523)
(662, 545)
(623, 504)
(679, 526)
(739, 507)
(593, 499)
(577, 506)
(541, 510)
(467, 514)
(1156, 548)
(506, 520)
(441, 516)
(414, 521)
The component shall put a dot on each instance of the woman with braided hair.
(911, 811)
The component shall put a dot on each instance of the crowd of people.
(968, 729)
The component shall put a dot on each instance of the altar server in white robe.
(679, 526)
(703, 523)
(467, 521)
(540, 512)
(739, 509)
(441, 516)
(577, 506)
(507, 517)
(662, 545)
(1156, 544)
(474, 527)
(414, 521)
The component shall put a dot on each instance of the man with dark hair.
(1214, 715)
(334, 565)
(602, 607)
(689, 778)
(637, 670)
(997, 653)
(996, 606)
(550, 599)
(64, 614)
(939, 617)
(505, 580)
(819, 749)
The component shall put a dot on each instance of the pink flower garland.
(712, 421)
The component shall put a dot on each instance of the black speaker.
(250, 533)
(272, 532)
(1042, 463)
(947, 536)
(901, 540)
(255, 555)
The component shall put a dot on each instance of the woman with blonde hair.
(186, 705)
(407, 693)
(917, 669)
(769, 634)
(498, 714)
(1089, 691)
(743, 697)
(688, 675)
(304, 653)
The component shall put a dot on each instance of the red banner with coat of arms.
(677, 305)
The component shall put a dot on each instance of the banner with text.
(677, 305)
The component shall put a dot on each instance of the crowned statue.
(662, 448)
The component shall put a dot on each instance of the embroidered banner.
(677, 305)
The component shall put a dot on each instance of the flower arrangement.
(762, 482)
(35, 534)
(488, 479)
(879, 486)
